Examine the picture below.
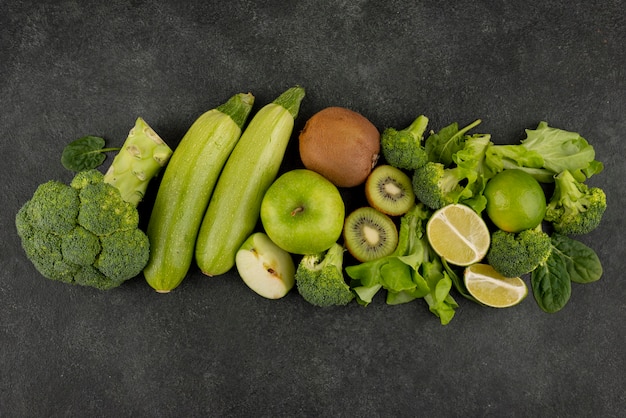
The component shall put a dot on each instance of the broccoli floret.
(103, 211)
(53, 207)
(87, 232)
(43, 248)
(574, 207)
(85, 178)
(80, 246)
(320, 280)
(437, 186)
(130, 246)
(463, 180)
(404, 148)
(514, 254)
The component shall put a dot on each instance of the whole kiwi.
(340, 144)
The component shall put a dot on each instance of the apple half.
(266, 268)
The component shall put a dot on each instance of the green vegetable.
(575, 208)
(85, 153)
(86, 233)
(551, 283)
(404, 148)
(582, 263)
(459, 167)
(437, 186)
(442, 146)
(460, 177)
(320, 280)
(515, 254)
(62, 248)
(413, 271)
(563, 150)
(233, 210)
(546, 152)
(140, 159)
(186, 187)
(570, 261)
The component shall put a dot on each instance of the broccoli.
(574, 207)
(320, 280)
(514, 254)
(437, 186)
(404, 148)
(462, 181)
(86, 233)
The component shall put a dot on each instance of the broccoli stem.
(566, 186)
(418, 127)
(141, 158)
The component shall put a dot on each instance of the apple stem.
(297, 211)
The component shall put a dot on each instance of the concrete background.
(212, 347)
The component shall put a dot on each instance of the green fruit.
(264, 267)
(369, 234)
(515, 201)
(303, 212)
(389, 190)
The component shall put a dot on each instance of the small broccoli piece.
(80, 246)
(124, 254)
(320, 280)
(574, 207)
(53, 207)
(514, 254)
(43, 249)
(437, 186)
(103, 211)
(404, 148)
(85, 178)
(92, 277)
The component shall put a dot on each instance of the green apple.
(266, 268)
(303, 212)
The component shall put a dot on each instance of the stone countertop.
(212, 347)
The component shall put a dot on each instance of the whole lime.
(515, 201)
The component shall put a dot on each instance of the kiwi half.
(389, 190)
(369, 234)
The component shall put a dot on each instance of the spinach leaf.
(84, 153)
(582, 262)
(441, 146)
(551, 283)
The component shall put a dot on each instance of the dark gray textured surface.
(212, 347)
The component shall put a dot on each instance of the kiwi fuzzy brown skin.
(389, 190)
(340, 144)
(369, 234)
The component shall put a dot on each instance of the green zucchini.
(186, 187)
(234, 208)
